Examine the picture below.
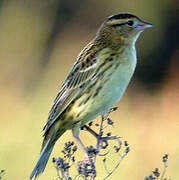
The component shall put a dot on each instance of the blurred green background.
(40, 40)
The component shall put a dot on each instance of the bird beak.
(144, 25)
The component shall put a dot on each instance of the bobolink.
(96, 81)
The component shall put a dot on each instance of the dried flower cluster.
(87, 168)
(156, 175)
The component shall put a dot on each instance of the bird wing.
(81, 73)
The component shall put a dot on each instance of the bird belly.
(114, 89)
(103, 95)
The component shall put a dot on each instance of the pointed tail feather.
(43, 159)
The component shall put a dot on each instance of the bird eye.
(130, 22)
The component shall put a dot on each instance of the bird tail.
(43, 159)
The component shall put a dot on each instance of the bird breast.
(115, 87)
(108, 89)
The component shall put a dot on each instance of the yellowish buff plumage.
(95, 83)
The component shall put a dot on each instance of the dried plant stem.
(164, 171)
(110, 173)
(87, 168)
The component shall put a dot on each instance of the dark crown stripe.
(122, 16)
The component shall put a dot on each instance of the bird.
(96, 81)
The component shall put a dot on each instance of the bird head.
(123, 27)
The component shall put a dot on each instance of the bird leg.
(87, 155)
(98, 136)
(78, 140)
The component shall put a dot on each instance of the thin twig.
(105, 167)
(99, 136)
(91, 131)
(164, 171)
(58, 174)
(77, 176)
(110, 173)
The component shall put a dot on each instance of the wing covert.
(74, 84)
